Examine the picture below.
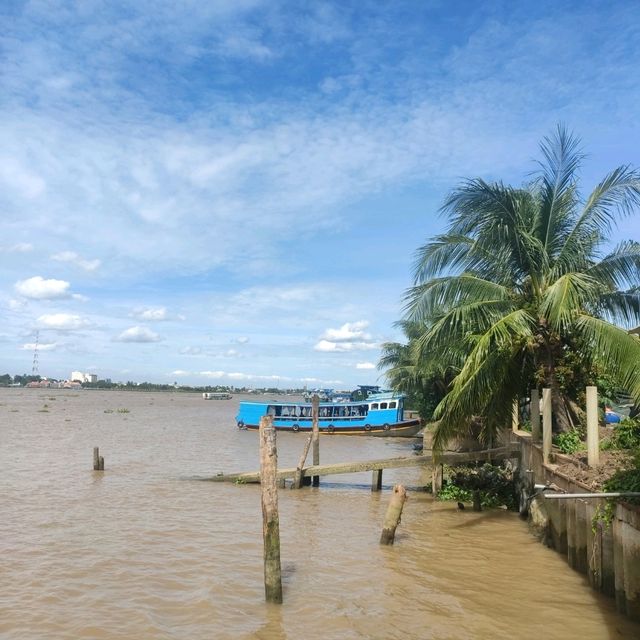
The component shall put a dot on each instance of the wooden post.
(515, 417)
(270, 518)
(393, 515)
(593, 437)
(477, 501)
(376, 480)
(546, 425)
(315, 410)
(297, 480)
(535, 415)
(98, 460)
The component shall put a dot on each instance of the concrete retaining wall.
(608, 554)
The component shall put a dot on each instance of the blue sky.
(231, 192)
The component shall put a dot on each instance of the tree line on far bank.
(8, 380)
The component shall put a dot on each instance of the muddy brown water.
(142, 551)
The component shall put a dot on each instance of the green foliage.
(495, 484)
(525, 426)
(451, 491)
(569, 442)
(603, 514)
(626, 479)
(626, 435)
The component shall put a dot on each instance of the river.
(145, 551)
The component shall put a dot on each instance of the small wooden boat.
(379, 415)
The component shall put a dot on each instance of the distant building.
(78, 376)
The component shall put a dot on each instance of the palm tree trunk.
(562, 421)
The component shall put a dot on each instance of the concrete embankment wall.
(607, 552)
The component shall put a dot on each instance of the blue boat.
(378, 415)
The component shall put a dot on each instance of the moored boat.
(378, 415)
(216, 395)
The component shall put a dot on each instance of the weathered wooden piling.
(98, 460)
(393, 515)
(376, 480)
(315, 411)
(270, 517)
(593, 437)
(297, 480)
(546, 425)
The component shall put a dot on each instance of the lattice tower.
(34, 367)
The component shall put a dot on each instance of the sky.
(232, 192)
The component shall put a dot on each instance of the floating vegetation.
(123, 411)
(108, 410)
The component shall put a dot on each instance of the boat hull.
(405, 429)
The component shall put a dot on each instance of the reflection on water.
(139, 552)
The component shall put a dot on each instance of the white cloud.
(351, 336)
(42, 346)
(343, 347)
(155, 314)
(243, 376)
(365, 365)
(63, 322)
(74, 258)
(37, 288)
(151, 314)
(213, 374)
(180, 373)
(348, 332)
(242, 340)
(138, 334)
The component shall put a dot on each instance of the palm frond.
(557, 177)
(477, 382)
(443, 252)
(567, 297)
(425, 300)
(616, 196)
(617, 351)
(621, 268)
(619, 307)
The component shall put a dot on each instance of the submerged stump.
(393, 515)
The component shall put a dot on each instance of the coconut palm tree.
(424, 381)
(520, 280)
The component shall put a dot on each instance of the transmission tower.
(34, 368)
